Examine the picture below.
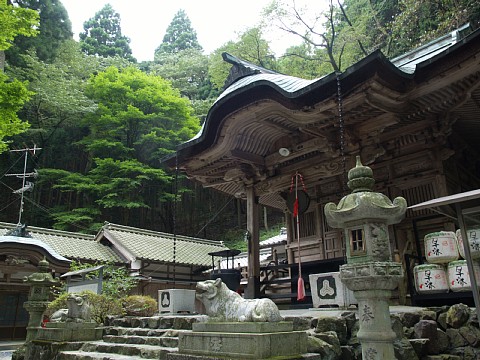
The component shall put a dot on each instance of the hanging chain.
(342, 131)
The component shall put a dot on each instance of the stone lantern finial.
(360, 178)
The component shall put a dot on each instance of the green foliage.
(187, 70)
(140, 305)
(138, 119)
(341, 34)
(116, 280)
(59, 101)
(15, 21)
(137, 112)
(179, 36)
(101, 305)
(417, 22)
(54, 28)
(300, 61)
(234, 238)
(250, 46)
(103, 35)
(13, 94)
(116, 285)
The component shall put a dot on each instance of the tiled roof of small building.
(158, 246)
(70, 244)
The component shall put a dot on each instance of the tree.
(418, 22)
(15, 21)
(179, 36)
(59, 101)
(140, 118)
(299, 61)
(13, 94)
(347, 31)
(54, 28)
(316, 27)
(103, 35)
(250, 46)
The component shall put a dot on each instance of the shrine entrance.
(411, 119)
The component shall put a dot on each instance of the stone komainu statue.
(226, 305)
(78, 310)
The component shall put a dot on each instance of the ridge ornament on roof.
(242, 68)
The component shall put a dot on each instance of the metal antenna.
(26, 185)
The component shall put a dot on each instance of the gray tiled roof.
(69, 244)
(158, 247)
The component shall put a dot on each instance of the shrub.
(100, 305)
(140, 305)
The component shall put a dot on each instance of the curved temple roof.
(261, 111)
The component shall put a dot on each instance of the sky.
(145, 21)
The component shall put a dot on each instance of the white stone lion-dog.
(224, 304)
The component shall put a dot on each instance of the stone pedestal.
(372, 284)
(35, 311)
(249, 340)
(70, 331)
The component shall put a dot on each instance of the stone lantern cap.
(43, 276)
(363, 203)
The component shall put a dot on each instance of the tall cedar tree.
(103, 35)
(179, 36)
(54, 28)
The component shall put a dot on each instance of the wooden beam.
(247, 157)
(253, 287)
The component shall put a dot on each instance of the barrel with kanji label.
(473, 240)
(441, 247)
(459, 276)
(430, 279)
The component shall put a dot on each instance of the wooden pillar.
(253, 287)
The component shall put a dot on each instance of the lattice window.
(357, 241)
(417, 195)
(306, 225)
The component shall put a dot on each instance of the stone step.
(165, 341)
(141, 351)
(157, 322)
(122, 331)
(85, 355)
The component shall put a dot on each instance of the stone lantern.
(364, 216)
(38, 298)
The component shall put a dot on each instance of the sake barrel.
(459, 276)
(473, 240)
(441, 247)
(430, 279)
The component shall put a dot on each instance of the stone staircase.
(133, 338)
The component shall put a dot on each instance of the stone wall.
(440, 333)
